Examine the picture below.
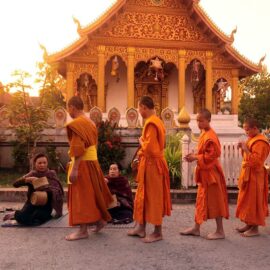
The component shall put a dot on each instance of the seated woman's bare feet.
(77, 236)
(137, 232)
(9, 216)
(99, 226)
(215, 236)
(191, 231)
(253, 231)
(153, 237)
(243, 229)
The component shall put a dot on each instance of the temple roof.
(196, 13)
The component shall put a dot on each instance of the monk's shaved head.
(205, 114)
(76, 102)
(252, 123)
(147, 101)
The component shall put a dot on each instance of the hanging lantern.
(115, 68)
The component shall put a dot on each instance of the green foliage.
(173, 156)
(51, 84)
(20, 155)
(109, 146)
(255, 101)
(27, 119)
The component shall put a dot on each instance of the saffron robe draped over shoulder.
(212, 198)
(252, 203)
(152, 200)
(89, 196)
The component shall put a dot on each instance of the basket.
(39, 198)
(40, 182)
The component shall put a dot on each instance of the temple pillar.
(70, 81)
(209, 81)
(181, 78)
(101, 78)
(130, 77)
(235, 91)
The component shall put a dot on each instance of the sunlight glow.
(26, 23)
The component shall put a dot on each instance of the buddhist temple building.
(168, 49)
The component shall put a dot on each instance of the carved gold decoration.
(222, 73)
(85, 68)
(144, 54)
(200, 55)
(157, 91)
(87, 51)
(115, 50)
(158, 3)
(153, 26)
(86, 88)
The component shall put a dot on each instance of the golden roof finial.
(233, 33)
(261, 60)
(77, 22)
(45, 53)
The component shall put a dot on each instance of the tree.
(27, 119)
(51, 84)
(255, 100)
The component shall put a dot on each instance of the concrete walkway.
(43, 248)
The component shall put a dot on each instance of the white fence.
(230, 160)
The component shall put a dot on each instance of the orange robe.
(89, 196)
(212, 198)
(252, 203)
(152, 201)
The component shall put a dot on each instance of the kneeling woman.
(45, 193)
(119, 186)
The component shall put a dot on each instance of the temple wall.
(116, 91)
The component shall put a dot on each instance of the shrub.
(109, 145)
(173, 156)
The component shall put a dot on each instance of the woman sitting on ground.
(45, 193)
(119, 186)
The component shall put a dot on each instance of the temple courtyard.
(45, 248)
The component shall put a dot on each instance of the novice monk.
(252, 203)
(152, 201)
(212, 200)
(88, 194)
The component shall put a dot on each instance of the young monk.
(152, 201)
(212, 200)
(252, 203)
(88, 194)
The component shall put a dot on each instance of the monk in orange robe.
(88, 194)
(152, 201)
(212, 198)
(252, 203)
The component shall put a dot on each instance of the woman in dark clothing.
(34, 215)
(119, 186)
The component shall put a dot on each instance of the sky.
(24, 24)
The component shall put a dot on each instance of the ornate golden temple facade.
(169, 49)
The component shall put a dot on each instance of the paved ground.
(43, 248)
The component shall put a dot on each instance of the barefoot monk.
(252, 203)
(152, 201)
(88, 194)
(212, 200)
